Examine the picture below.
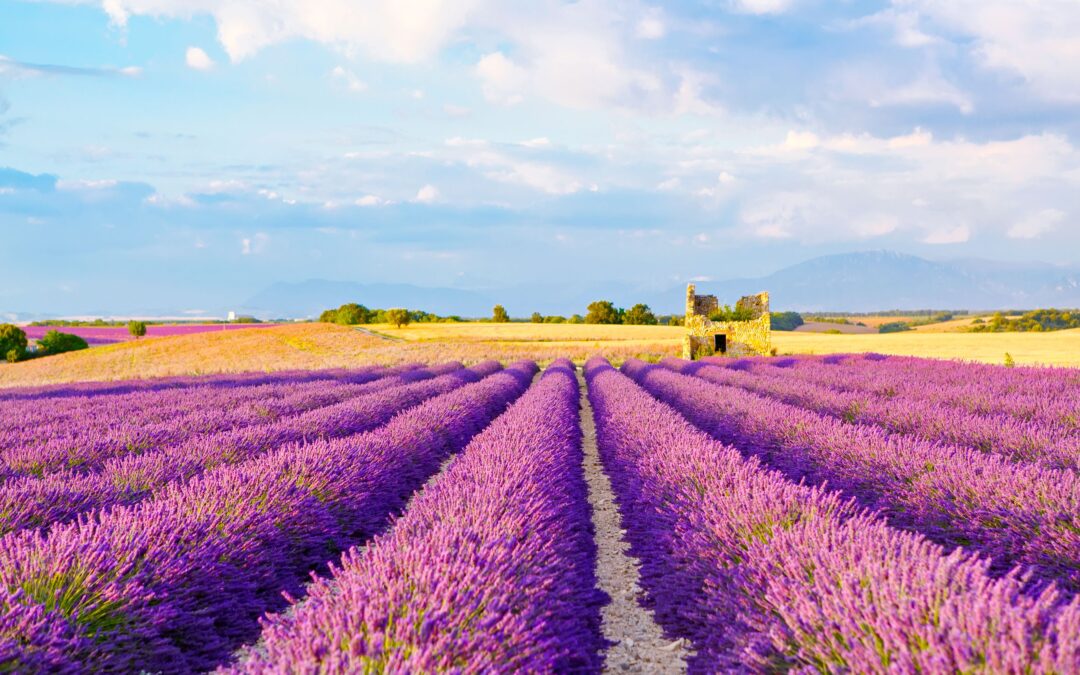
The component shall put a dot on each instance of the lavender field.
(848, 513)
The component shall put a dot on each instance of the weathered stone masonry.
(732, 338)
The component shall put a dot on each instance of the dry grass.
(1060, 348)
(529, 332)
(272, 348)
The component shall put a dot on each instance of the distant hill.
(856, 282)
(881, 280)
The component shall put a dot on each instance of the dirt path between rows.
(639, 644)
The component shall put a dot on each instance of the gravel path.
(639, 644)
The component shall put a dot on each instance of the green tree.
(727, 313)
(55, 342)
(351, 314)
(399, 317)
(328, 316)
(137, 328)
(499, 315)
(602, 311)
(785, 320)
(12, 342)
(640, 315)
(576, 318)
(537, 317)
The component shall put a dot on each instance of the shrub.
(12, 342)
(554, 319)
(785, 320)
(640, 315)
(55, 342)
(603, 311)
(499, 315)
(398, 317)
(894, 327)
(537, 317)
(576, 318)
(137, 328)
(1009, 362)
(727, 313)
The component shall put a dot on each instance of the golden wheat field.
(1059, 348)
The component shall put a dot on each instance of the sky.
(189, 153)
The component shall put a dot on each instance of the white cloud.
(506, 168)
(1035, 40)
(825, 188)
(949, 235)
(651, 26)
(369, 200)
(349, 79)
(583, 54)
(197, 59)
(400, 31)
(928, 89)
(503, 81)
(800, 140)
(427, 194)
(762, 6)
(103, 184)
(541, 142)
(1037, 224)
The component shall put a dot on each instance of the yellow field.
(304, 346)
(528, 332)
(1059, 348)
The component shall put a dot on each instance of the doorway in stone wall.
(720, 343)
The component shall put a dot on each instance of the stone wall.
(744, 338)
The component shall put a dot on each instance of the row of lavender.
(58, 394)
(176, 582)
(915, 408)
(489, 570)
(1013, 513)
(124, 432)
(762, 573)
(165, 398)
(1039, 394)
(130, 478)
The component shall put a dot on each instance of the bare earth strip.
(639, 644)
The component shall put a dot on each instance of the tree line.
(598, 312)
(1036, 320)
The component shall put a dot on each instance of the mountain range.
(857, 282)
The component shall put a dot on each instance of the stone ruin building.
(705, 337)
